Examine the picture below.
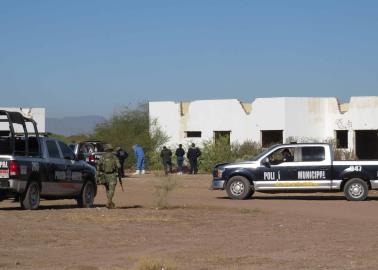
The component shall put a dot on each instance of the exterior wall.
(205, 116)
(38, 114)
(311, 119)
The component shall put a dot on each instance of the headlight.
(219, 172)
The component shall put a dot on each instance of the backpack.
(109, 165)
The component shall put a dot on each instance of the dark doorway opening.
(342, 139)
(222, 137)
(270, 137)
(367, 144)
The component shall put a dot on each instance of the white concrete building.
(37, 114)
(353, 125)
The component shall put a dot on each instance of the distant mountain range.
(73, 125)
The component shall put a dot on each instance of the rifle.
(120, 181)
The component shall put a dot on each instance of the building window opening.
(341, 139)
(366, 144)
(271, 137)
(193, 134)
(223, 137)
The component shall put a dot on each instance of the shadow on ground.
(65, 206)
(302, 198)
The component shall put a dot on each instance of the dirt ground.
(201, 229)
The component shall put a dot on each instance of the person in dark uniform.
(166, 158)
(122, 156)
(287, 156)
(193, 154)
(180, 153)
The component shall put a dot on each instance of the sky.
(93, 57)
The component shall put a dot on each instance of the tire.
(239, 188)
(356, 189)
(30, 200)
(86, 198)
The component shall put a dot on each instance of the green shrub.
(221, 151)
(246, 150)
(165, 186)
(341, 154)
(132, 126)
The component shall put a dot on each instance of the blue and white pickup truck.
(34, 167)
(296, 168)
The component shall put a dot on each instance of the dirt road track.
(202, 229)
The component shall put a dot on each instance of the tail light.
(92, 158)
(14, 169)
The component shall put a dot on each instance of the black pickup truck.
(297, 168)
(34, 167)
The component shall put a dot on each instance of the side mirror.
(266, 162)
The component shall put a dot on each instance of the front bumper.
(217, 184)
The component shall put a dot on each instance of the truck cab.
(296, 168)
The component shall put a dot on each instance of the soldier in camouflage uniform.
(108, 166)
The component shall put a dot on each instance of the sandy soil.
(201, 229)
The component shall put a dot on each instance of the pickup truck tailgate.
(4, 169)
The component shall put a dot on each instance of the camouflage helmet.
(108, 147)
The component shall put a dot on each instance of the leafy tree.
(69, 139)
(132, 126)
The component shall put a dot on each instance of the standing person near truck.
(122, 156)
(139, 155)
(193, 154)
(166, 158)
(108, 166)
(180, 153)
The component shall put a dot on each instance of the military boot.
(109, 204)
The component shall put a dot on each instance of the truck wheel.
(356, 189)
(87, 194)
(31, 199)
(239, 188)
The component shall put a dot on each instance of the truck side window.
(66, 151)
(282, 155)
(313, 153)
(52, 149)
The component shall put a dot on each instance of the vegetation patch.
(147, 263)
(164, 188)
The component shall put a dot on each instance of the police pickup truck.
(34, 167)
(296, 168)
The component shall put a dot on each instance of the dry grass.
(147, 263)
(250, 211)
(164, 188)
(158, 173)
